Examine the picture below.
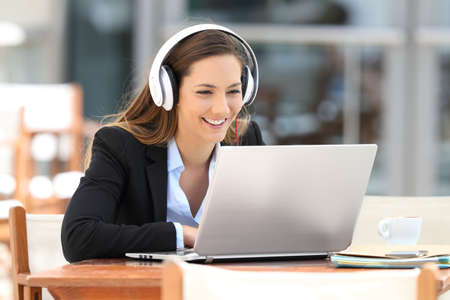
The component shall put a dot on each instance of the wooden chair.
(36, 246)
(182, 281)
(54, 109)
(5, 206)
(435, 224)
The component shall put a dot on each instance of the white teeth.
(214, 122)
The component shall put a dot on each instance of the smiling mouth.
(217, 123)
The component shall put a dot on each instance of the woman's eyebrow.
(234, 84)
(208, 85)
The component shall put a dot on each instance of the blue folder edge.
(347, 261)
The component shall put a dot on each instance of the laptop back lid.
(284, 199)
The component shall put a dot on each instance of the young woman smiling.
(148, 171)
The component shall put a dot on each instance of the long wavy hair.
(153, 125)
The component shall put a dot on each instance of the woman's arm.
(88, 229)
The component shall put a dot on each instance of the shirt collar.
(213, 158)
(174, 160)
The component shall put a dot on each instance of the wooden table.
(132, 279)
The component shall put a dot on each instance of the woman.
(149, 169)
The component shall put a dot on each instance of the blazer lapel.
(157, 180)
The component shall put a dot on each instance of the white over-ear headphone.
(162, 80)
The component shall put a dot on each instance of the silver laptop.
(279, 202)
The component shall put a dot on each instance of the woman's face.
(210, 98)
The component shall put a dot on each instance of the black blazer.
(120, 205)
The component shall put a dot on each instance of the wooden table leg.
(32, 293)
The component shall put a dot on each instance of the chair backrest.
(5, 205)
(35, 242)
(433, 210)
(184, 281)
(44, 242)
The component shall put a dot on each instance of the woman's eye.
(204, 92)
(234, 92)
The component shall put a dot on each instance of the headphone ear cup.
(169, 87)
(248, 85)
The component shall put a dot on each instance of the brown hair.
(152, 125)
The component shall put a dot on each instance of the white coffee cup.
(400, 230)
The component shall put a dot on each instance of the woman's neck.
(194, 154)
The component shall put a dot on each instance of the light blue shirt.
(178, 209)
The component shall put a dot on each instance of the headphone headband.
(155, 76)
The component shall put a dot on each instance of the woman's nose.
(220, 105)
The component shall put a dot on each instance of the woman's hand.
(189, 235)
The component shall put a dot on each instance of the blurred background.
(332, 72)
